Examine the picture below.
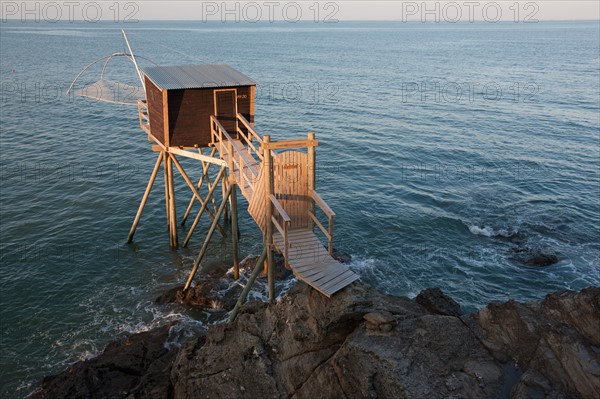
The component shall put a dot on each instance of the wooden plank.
(316, 270)
(295, 143)
(337, 280)
(322, 276)
(322, 267)
(314, 278)
(329, 267)
(342, 284)
(199, 157)
(301, 263)
(308, 266)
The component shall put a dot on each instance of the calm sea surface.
(442, 148)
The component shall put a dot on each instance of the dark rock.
(135, 367)
(380, 321)
(515, 237)
(435, 301)
(341, 257)
(540, 257)
(362, 343)
(213, 291)
(554, 341)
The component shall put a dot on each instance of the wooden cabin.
(180, 100)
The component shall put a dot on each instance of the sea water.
(442, 148)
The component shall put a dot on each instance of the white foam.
(488, 231)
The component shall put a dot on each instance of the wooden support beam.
(233, 209)
(196, 156)
(224, 186)
(312, 172)
(296, 143)
(166, 191)
(210, 194)
(206, 242)
(159, 161)
(172, 211)
(195, 192)
(268, 215)
(205, 167)
(248, 286)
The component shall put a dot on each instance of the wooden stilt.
(233, 209)
(225, 186)
(268, 215)
(172, 212)
(167, 193)
(213, 199)
(159, 161)
(235, 233)
(213, 226)
(204, 207)
(248, 286)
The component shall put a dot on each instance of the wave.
(488, 231)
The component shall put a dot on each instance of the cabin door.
(226, 110)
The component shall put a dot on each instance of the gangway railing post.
(268, 214)
(233, 208)
(312, 164)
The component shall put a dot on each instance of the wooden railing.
(286, 221)
(143, 114)
(243, 162)
(330, 215)
(252, 155)
(248, 137)
(246, 161)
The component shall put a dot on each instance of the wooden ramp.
(312, 264)
(292, 200)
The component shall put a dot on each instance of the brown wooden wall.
(155, 110)
(190, 111)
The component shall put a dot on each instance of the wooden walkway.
(312, 264)
(306, 256)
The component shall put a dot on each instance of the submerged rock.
(363, 343)
(341, 257)
(541, 256)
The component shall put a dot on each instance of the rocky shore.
(359, 344)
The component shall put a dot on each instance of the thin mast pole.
(137, 68)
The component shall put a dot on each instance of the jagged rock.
(434, 300)
(380, 321)
(136, 367)
(309, 346)
(555, 341)
(535, 256)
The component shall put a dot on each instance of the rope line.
(195, 58)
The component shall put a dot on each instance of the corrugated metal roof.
(196, 76)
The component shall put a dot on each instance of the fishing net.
(112, 92)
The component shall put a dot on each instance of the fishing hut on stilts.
(206, 113)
